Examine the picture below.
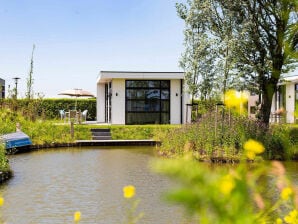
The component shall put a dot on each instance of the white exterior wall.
(117, 80)
(175, 102)
(118, 102)
(100, 103)
(290, 102)
(252, 102)
(186, 99)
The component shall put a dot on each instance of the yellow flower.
(292, 218)
(77, 216)
(250, 155)
(227, 184)
(1, 201)
(278, 221)
(234, 98)
(286, 193)
(129, 191)
(254, 146)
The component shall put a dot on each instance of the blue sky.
(75, 39)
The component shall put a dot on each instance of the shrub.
(221, 136)
(4, 163)
(49, 108)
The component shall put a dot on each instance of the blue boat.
(15, 140)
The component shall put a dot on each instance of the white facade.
(290, 95)
(285, 99)
(111, 95)
(251, 105)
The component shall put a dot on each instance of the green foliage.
(252, 45)
(139, 132)
(293, 138)
(49, 108)
(221, 137)
(4, 163)
(52, 131)
(296, 111)
(30, 80)
(41, 131)
(199, 58)
(232, 195)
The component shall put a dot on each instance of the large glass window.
(147, 102)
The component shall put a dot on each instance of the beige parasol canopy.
(76, 93)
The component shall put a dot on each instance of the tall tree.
(29, 93)
(268, 32)
(207, 60)
(260, 40)
(199, 58)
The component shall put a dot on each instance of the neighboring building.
(287, 98)
(2, 88)
(252, 105)
(141, 98)
(285, 101)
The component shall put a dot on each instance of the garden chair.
(62, 114)
(84, 115)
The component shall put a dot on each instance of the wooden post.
(18, 126)
(71, 129)
(215, 127)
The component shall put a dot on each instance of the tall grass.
(216, 136)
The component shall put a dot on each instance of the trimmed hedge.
(49, 108)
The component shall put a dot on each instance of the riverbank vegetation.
(44, 131)
(4, 163)
(217, 138)
(211, 137)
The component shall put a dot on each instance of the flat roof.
(286, 79)
(106, 76)
(291, 78)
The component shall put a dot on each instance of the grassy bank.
(56, 131)
(210, 138)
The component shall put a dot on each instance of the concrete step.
(100, 130)
(101, 133)
(101, 138)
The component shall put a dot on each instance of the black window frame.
(161, 86)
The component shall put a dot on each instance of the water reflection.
(49, 186)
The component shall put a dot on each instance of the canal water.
(50, 185)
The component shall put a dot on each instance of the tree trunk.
(268, 91)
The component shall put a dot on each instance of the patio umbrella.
(77, 93)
